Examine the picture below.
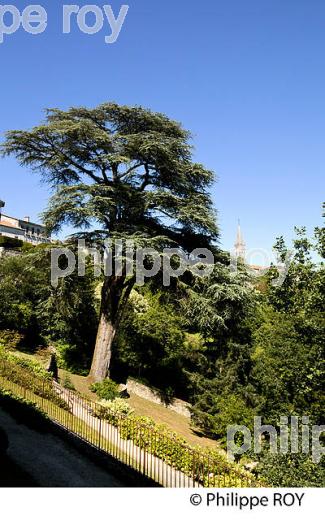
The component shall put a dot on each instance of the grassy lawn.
(159, 413)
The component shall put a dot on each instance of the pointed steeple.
(240, 246)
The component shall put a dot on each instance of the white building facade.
(22, 229)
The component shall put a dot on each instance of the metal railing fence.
(156, 454)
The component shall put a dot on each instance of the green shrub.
(214, 413)
(10, 339)
(67, 383)
(113, 411)
(106, 389)
(32, 366)
(207, 466)
(69, 357)
(291, 470)
(27, 247)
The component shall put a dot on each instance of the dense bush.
(44, 314)
(10, 339)
(11, 243)
(67, 383)
(113, 411)
(150, 344)
(217, 412)
(106, 389)
(291, 470)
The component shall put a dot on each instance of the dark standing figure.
(53, 366)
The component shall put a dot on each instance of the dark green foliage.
(271, 362)
(106, 389)
(42, 314)
(10, 243)
(18, 288)
(217, 305)
(30, 375)
(214, 412)
(151, 343)
(288, 368)
(67, 383)
(291, 470)
(221, 307)
(289, 342)
(10, 339)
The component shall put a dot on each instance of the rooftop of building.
(4, 220)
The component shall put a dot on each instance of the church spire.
(240, 246)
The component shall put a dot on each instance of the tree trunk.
(103, 349)
(114, 298)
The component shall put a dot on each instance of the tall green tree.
(289, 342)
(119, 172)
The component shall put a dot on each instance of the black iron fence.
(156, 454)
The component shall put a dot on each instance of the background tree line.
(233, 346)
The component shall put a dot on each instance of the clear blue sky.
(246, 77)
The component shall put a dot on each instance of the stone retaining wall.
(152, 394)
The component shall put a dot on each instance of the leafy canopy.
(119, 171)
